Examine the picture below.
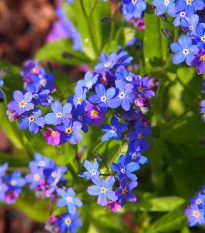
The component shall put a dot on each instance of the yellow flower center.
(189, 2)
(31, 118)
(80, 100)
(103, 190)
(22, 104)
(43, 82)
(59, 114)
(202, 58)
(140, 89)
(198, 201)
(196, 214)
(104, 80)
(107, 64)
(94, 113)
(53, 133)
(203, 38)
(36, 177)
(68, 221)
(68, 130)
(140, 136)
(124, 191)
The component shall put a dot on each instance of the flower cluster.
(10, 185)
(189, 48)
(48, 181)
(196, 211)
(63, 28)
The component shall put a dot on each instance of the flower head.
(93, 170)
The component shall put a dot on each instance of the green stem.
(93, 8)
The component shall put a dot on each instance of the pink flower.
(52, 137)
(114, 205)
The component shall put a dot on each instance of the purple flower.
(33, 121)
(80, 96)
(195, 215)
(113, 130)
(114, 206)
(31, 68)
(70, 131)
(124, 192)
(133, 8)
(124, 95)
(199, 61)
(199, 200)
(95, 113)
(21, 102)
(69, 222)
(68, 199)
(52, 137)
(102, 189)
(11, 196)
(138, 136)
(123, 169)
(59, 113)
(102, 96)
(141, 87)
(202, 110)
(106, 63)
(93, 170)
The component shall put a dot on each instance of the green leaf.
(53, 51)
(172, 221)
(13, 160)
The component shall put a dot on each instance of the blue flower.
(15, 181)
(163, 6)
(124, 95)
(179, 15)
(199, 200)
(39, 97)
(93, 170)
(41, 162)
(202, 110)
(68, 199)
(78, 114)
(80, 96)
(122, 60)
(102, 189)
(21, 102)
(44, 79)
(69, 222)
(124, 192)
(200, 36)
(136, 157)
(3, 169)
(123, 169)
(102, 97)
(195, 215)
(124, 75)
(139, 142)
(33, 121)
(70, 131)
(189, 23)
(88, 81)
(106, 63)
(113, 130)
(133, 8)
(184, 50)
(190, 5)
(141, 87)
(59, 113)
(35, 178)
